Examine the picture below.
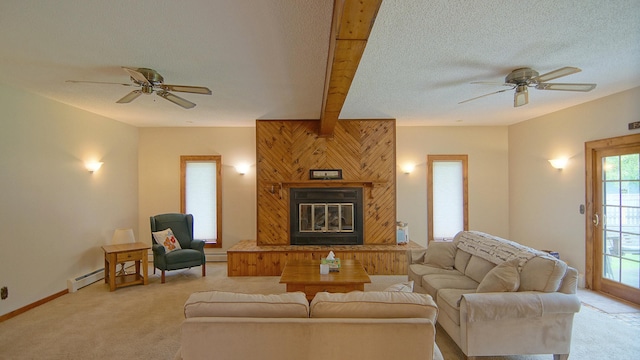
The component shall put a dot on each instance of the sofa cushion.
(228, 304)
(449, 303)
(478, 268)
(373, 304)
(542, 273)
(502, 278)
(441, 255)
(417, 271)
(433, 283)
(406, 286)
(462, 260)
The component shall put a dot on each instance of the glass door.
(616, 220)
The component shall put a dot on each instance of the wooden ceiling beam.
(350, 29)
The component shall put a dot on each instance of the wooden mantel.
(280, 186)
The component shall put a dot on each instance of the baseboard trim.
(24, 309)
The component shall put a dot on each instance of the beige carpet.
(143, 322)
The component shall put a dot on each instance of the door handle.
(596, 220)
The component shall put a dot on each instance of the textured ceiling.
(267, 59)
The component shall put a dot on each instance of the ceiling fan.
(150, 81)
(523, 78)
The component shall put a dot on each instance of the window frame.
(184, 159)
(465, 189)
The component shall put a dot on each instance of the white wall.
(544, 202)
(488, 169)
(159, 173)
(54, 214)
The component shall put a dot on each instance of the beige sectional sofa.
(357, 325)
(497, 297)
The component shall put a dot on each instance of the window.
(201, 195)
(447, 196)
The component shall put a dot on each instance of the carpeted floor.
(143, 322)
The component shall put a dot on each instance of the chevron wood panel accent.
(273, 150)
(308, 151)
(379, 162)
(274, 160)
(363, 149)
(346, 140)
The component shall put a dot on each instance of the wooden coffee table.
(304, 275)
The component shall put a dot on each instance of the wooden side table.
(119, 253)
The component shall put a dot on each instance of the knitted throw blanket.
(494, 249)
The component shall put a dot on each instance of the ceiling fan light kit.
(521, 97)
(522, 78)
(151, 81)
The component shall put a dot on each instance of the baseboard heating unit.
(81, 281)
(216, 257)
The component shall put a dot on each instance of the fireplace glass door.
(326, 216)
(323, 218)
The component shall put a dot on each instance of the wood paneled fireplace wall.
(365, 151)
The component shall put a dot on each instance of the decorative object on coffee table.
(332, 261)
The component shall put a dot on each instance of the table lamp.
(123, 236)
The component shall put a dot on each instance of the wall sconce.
(559, 163)
(242, 169)
(408, 168)
(93, 166)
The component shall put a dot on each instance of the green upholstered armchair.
(192, 252)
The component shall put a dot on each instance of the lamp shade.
(123, 236)
(93, 166)
(559, 163)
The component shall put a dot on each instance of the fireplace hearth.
(326, 216)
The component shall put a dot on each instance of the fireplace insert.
(326, 216)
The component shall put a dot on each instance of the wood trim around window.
(184, 159)
(465, 191)
(592, 249)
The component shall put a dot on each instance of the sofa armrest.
(197, 244)
(158, 249)
(515, 305)
(569, 284)
(416, 256)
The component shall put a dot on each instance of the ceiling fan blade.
(175, 99)
(188, 89)
(138, 76)
(130, 97)
(491, 83)
(481, 96)
(97, 82)
(567, 70)
(566, 87)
